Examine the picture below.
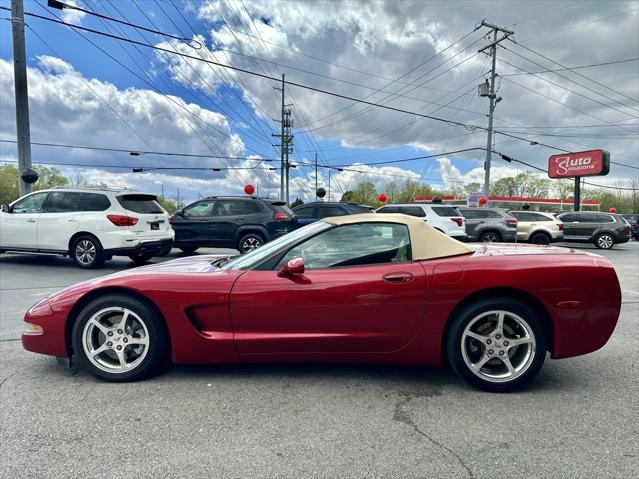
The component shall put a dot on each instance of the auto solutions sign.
(582, 163)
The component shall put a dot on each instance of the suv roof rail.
(91, 187)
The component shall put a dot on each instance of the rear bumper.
(152, 247)
(460, 237)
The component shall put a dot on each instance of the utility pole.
(21, 94)
(178, 198)
(315, 176)
(285, 143)
(488, 90)
(329, 184)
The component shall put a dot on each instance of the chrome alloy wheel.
(498, 346)
(115, 340)
(85, 252)
(249, 244)
(605, 241)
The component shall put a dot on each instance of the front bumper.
(52, 339)
(150, 247)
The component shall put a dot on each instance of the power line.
(581, 85)
(577, 73)
(592, 65)
(65, 6)
(299, 85)
(420, 157)
(138, 152)
(553, 32)
(139, 169)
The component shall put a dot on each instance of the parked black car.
(489, 224)
(634, 225)
(604, 230)
(311, 212)
(243, 223)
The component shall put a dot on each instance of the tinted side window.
(357, 209)
(327, 211)
(388, 209)
(30, 204)
(588, 218)
(354, 245)
(245, 207)
(201, 208)
(525, 216)
(445, 211)
(412, 211)
(143, 204)
(94, 202)
(62, 202)
(305, 212)
(603, 218)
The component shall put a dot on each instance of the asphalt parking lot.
(577, 419)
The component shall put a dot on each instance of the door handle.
(398, 277)
(31, 220)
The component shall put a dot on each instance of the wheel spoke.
(518, 341)
(103, 329)
(122, 324)
(500, 323)
(479, 364)
(135, 341)
(100, 350)
(509, 365)
(121, 358)
(482, 339)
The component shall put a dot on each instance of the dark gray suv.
(604, 230)
(489, 224)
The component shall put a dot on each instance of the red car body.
(351, 314)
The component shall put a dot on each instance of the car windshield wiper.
(222, 261)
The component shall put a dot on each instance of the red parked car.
(360, 288)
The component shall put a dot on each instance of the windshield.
(256, 256)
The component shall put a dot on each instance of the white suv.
(90, 225)
(444, 218)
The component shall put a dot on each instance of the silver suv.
(489, 224)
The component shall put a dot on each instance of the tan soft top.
(426, 241)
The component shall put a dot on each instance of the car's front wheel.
(87, 252)
(604, 241)
(496, 344)
(120, 338)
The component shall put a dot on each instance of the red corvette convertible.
(359, 288)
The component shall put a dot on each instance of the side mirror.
(6, 209)
(294, 266)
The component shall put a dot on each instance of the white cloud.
(73, 16)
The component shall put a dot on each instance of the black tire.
(140, 258)
(540, 238)
(249, 242)
(157, 355)
(604, 241)
(490, 237)
(531, 355)
(189, 249)
(165, 251)
(87, 252)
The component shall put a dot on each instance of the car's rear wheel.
(249, 243)
(87, 252)
(604, 241)
(140, 258)
(496, 344)
(540, 238)
(189, 249)
(490, 237)
(120, 338)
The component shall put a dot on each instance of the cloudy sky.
(422, 57)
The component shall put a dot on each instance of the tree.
(347, 196)
(473, 187)
(297, 202)
(48, 177)
(365, 194)
(169, 205)
(524, 184)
